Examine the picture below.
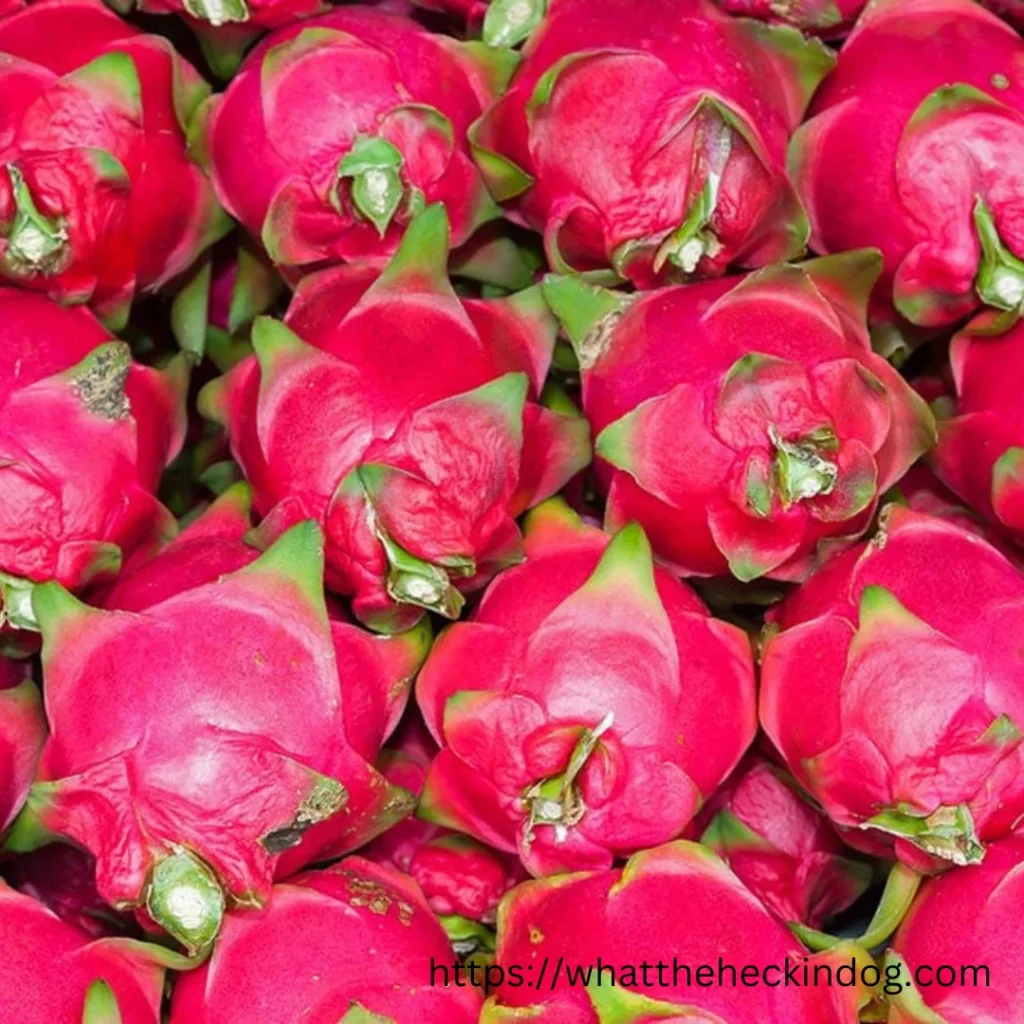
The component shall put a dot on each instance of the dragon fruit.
(64, 878)
(462, 880)
(579, 711)
(914, 146)
(909, 732)
(780, 846)
(354, 943)
(234, 761)
(84, 435)
(339, 183)
(416, 467)
(747, 425)
(681, 170)
(981, 449)
(99, 200)
(962, 941)
(22, 731)
(52, 973)
(216, 544)
(828, 18)
(677, 906)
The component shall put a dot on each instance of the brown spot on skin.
(597, 341)
(327, 798)
(536, 935)
(364, 892)
(100, 385)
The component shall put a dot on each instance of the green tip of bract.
(580, 306)
(423, 251)
(185, 899)
(218, 12)
(100, 1005)
(510, 22)
(54, 608)
(298, 556)
(273, 341)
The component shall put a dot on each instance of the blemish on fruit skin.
(1000, 82)
(536, 935)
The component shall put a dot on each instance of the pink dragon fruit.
(909, 733)
(22, 731)
(84, 436)
(51, 973)
(235, 761)
(914, 146)
(338, 183)
(216, 544)
(828, 18)
(681, 170)
(981, 449)
(98, 198)
(354, 943)
(677, 906)
(579, 711)
(462, 880)
(962, 942)
(415, 467)
(780, 846)
(64, 878)
(747, 425)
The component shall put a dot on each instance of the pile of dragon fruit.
(497, 497)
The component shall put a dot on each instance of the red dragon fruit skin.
(22, 732)
(416, 468)
(462, 880)
(52, 973)
(780, 846)
(909, 734)
(216, 544)
(745, 424)
(63, 877)
(98, 198)
(232, 762)
(682, 170)
(340, 183)
(673, 903)
(84, 435)
(828, 18)
(915, 146)
(578, 711)
(981, 448)
(964, 919)
(354, 942)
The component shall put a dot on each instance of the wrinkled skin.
(578, 710)
(781, 846)
(239, 763)
(828, 18)
(462, 880)
(416, 469)
(99, 200)
(84, 435)
(355, 937)
(981, 446)
(966, 919)
(675, 901)
(50, 971)
(64, 878)
(919, 123)
(910, 733)
(654, 154)
(22, 731)
(340, 184)
(746, 424)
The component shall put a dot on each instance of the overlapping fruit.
(511, 511)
